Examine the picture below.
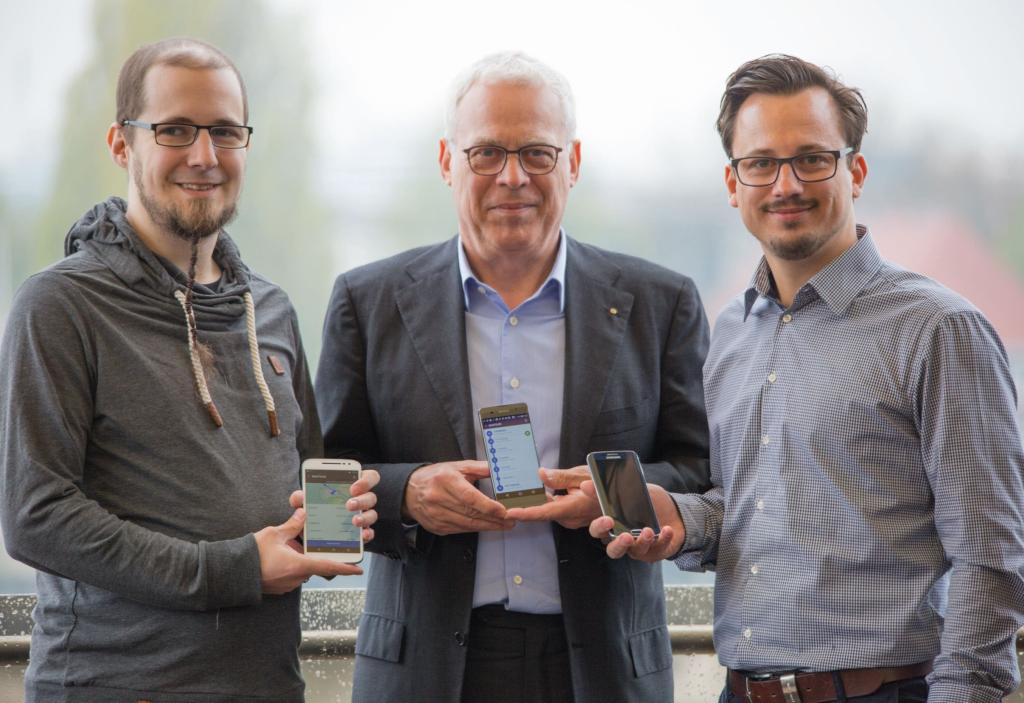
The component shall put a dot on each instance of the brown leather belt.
(819, 687)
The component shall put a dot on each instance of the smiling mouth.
(198, 187)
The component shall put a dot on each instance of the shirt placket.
(762, 574)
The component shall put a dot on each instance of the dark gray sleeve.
(680, 457)
(343, 399)
(47, 385)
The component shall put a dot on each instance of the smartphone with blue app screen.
(511, 455)
(329, 532)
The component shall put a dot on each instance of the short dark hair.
(176, 51)
(782, 74)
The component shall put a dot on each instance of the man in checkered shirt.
(866, 519)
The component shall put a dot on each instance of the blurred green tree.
(283, 221)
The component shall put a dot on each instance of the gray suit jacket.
(393, 392)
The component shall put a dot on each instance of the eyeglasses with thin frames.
(174, 134)
(811, 167)
(490, 159)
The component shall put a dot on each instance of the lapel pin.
(613, 311)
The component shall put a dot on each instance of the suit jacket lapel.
(433, 312)
(596, 316)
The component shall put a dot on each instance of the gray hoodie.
(135, 508)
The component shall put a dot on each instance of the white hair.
(511, 67)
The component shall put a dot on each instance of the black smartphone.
(622, 491)
(512, 455)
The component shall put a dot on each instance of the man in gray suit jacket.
(467, 600)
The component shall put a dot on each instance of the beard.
(191, 222)
(797, 247)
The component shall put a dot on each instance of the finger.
(552, 510)
(589, 489)
(365, 518)
(291, 527)
(367, 480)
(469, 501)
(664, 542)
(367, 534)
(600, 527)
(327, 568)
(297, 499)
(642, 544)
(474, 470)
(564, 478)
(363, 502)
(618, 547)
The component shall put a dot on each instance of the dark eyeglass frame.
(153, 126)
(517, 152)
(836, 154)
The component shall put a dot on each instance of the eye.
(171, 130)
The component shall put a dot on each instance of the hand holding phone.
(330, 533)
(511, 455)
(622, 491)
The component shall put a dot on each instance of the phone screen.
(623, 490)
(329, 525)
(512, 455)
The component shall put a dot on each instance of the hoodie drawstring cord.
(257, 367)
(254, 354)
(197, 366)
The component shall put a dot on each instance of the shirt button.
(787, 317)
(765, 439)
(754, 569)
(772, 377)
(514, 382)
(482, 290)
(760, 503)
(517, 580)
(747, 633)
(513, 320)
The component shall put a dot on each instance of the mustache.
(790, 202)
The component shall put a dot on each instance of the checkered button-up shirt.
(868, 507)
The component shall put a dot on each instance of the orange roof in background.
(945, 247)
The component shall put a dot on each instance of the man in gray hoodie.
(155, 405)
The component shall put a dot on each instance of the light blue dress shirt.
(518, 356)
(868, 507)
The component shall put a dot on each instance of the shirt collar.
(557, 274)
(837, 284)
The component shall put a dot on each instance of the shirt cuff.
(952, 692)
(691, 511)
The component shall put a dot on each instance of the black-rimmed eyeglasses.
(224, 136)
(490, 160)
(812, 167)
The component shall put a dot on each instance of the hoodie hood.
(105, 232)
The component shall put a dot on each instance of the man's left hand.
(573, 510)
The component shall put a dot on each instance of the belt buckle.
(790, 693)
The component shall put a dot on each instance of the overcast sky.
(647, 75)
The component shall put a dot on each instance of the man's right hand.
(443, 499)
(646, 547)
(283, 566)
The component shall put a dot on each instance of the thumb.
(290, 528)
(475, 471)
(588, 488)
(564, 479)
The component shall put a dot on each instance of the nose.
(513, 174)
(787, 183)
(202, 153)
